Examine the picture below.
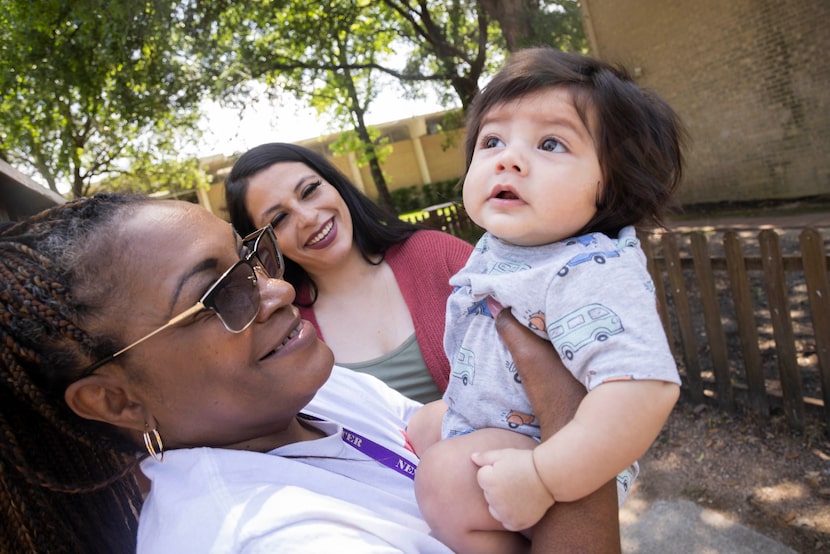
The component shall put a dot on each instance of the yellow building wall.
(401, 167)
(443, 159)
(444, 154)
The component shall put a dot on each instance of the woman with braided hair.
(254, 441)
(55, 466)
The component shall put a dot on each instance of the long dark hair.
(639, 137)
(375, 229)
(66, 483)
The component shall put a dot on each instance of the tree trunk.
(384, 197)
(517, 20)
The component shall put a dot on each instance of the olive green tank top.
(404, 370)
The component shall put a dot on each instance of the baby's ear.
(103, 397)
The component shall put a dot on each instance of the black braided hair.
(66, 484)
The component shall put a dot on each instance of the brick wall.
(750, 78)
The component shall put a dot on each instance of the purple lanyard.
(374, 450)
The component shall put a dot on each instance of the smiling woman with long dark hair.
(346, 255)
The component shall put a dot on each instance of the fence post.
(747, 327)
(818, 291)
(782, 328)
(712, 320)
(659, 289)
(684, 316)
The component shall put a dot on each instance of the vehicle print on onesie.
(592, 322)
(598, 257)
(500, 268)
(516, 419)
(584, 240)
(626, 242)
(479, 307)
(464, 367)
(536, 321)
(511, 368)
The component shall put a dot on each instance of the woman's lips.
(296, 338)
(324, 236)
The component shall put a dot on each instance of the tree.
(332, 55)
(148, 174)
(453, 43)
(335, 54)
(325, 54)
(343, 82)
(527, 23)
(87, 84)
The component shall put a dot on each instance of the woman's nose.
(273, 295)
(305, 214)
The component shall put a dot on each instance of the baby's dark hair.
(637, 135)
(66, 483)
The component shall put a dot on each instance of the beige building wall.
(445, 155)
(420, 155)
(401, 169)
(750, 78)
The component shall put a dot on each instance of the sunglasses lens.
(236, 299)
(269, 256)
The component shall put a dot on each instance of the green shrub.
(409, 199)
(406, 199)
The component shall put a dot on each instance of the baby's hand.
(513, 490)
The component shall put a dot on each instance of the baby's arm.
(613, 426)
(619, 418)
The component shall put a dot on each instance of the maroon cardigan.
(423, 265)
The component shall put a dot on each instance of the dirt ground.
(760, 474)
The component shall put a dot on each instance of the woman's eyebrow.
(204, 265)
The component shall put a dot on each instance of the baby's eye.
(552, 145)
(491, 142)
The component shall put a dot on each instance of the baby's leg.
(424, 427)
(452, 502)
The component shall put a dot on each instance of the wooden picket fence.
(450, 218)
(747, 319)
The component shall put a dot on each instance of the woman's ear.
(103, 397)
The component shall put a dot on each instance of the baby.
(565, 155)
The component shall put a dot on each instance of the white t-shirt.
(314, 496)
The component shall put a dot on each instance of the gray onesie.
(591, 296)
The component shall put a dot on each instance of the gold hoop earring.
(148, 442)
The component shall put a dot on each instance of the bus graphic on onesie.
(593, 322)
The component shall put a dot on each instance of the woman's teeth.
(322, 234)
(290, 336)
(285, 341)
